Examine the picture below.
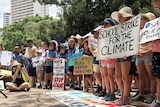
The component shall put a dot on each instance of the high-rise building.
(6, 18)
(23, 8)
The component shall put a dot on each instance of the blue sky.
(5, 5)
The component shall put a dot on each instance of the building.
(23, 8)
(6, 18)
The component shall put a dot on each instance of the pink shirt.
(156, 46)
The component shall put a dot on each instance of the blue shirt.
(64, 56)
(71, 52)
(18, 57)
(50, 54)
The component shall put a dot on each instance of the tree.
(81, 16)
(36, 28)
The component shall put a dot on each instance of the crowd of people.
(109, 75)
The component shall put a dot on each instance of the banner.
(151, 31)
(5, 58)
(83, 66)
(58, 74)
(71, 59)
(37, 61)
(119, 41)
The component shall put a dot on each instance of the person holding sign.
(108, 66)
(144, 64)
(88, 78)
(93, 44)
(20, 78)
(122, 67)
(71, 52)
(50, 56)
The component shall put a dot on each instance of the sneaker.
(111, 97)
(137, 93)
(101, 94)
(106, 96)
(118, 92)
(149, 100)
(138, 98)
(40, 86)
(155, 105)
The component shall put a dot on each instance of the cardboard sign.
(58, 74)
(119, 41)
(83, 66)
(5, 57)
(1, 84)
(151, 31)
(37, 61)
(71, 59)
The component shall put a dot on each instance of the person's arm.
(16, 73)
(25, 74)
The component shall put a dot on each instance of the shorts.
(109, 63)
(32, 71)
(18, 82)
(145, 59)
(96, 68)
(71, 69)
(39, 68)
(156, 64)
(48, 69)
(124, 59)
(133, 69)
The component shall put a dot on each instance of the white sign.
(5, 57)
(119, 41)
(1, 84)
(151, 31)
(37, 61)
(58, 74)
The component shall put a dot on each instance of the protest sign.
(37, 61)
(58, 74)
(83, 66)
(151, 31)
(119, 41)
(5, 57)
(71, 59)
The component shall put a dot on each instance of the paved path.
(36, 98)
(33, 98)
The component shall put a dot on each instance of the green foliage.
(36, 28)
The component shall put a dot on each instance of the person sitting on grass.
(20, 78)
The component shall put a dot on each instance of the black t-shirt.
(19, 80)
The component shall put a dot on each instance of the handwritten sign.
(71, 59)
(119, 41)
(83, 66)
(37, 61)
(151, 31)
(5, 57)
(58, 77)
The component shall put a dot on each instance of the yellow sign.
(83, 66)
(5, 72)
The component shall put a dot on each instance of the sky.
(5, 5)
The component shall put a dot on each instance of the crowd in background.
(109, 75)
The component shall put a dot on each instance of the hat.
(71, 39)
(15, 63)
(125, 12)
(79, 36)
(149, 16)
(55, 42)
(109, 21)
(86, 40)
(39, 51)
(63, 46)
